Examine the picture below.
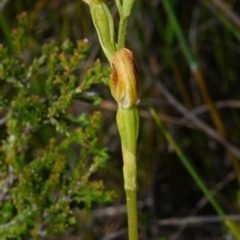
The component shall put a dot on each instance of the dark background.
(165, 188)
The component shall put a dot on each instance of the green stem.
(131, 196)
(127, 122)
(122, 32)
(125, 13)
(124, 88)
(119, 5)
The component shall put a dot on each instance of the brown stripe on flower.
(124, 81)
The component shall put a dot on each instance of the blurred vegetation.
(50, 150)
(57, 119)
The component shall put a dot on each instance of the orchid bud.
(124, 82)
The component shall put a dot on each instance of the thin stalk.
(191, 59)
(125, 13)
(167, 34)
(208, 100)
(131, 197)
(127, 122)
(124, 87)
(195, 69)
(122, 32)
(181, 84)
(119, 5)
(230, 224)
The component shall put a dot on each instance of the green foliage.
(49, 151)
